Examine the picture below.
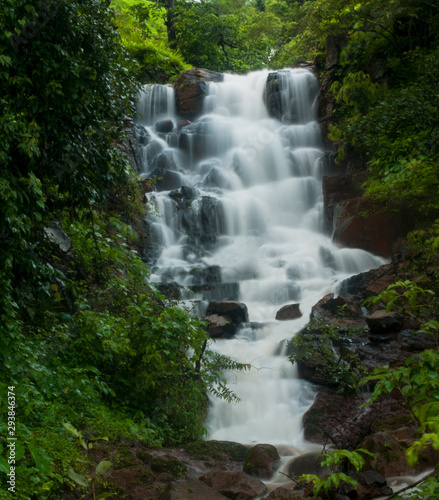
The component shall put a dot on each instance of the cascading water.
(238, 215)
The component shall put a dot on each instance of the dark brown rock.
(344, 421)
(382, 322)
(367, 225)
(261, 461)
(370, 485)
(220, 327)
(236, 311)
(190, 89)
(390, 455)
(309, 463)
(337, 188)
(192, 489)
(341, 306)
(164, 126)
(290, 311)
(235, 485)
(285, 494)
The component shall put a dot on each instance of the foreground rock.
(191, 489)
(261, 461)
(235, 485)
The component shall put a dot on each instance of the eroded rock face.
(235, 485)
(190, 90)
(261, 461)
(363, 224)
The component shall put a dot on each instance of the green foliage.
(142, 27)
(320, 345)
(417, 380)
(405, 296)
(216, 34)
(335, 460)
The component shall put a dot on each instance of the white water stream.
(253, 215)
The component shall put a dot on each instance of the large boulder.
(220, 327)
(190, 90)
(308, 463)
(290, 311)
(191, 489)
(262, 461)
(236, 311)
(381, 322)
(235, 485)
(390, 448)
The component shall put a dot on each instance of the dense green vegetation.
(84, 340)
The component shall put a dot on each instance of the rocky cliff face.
(353, 220)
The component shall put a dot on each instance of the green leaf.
(42, 461)
(103, 466)
(78, 478)
(72, 430)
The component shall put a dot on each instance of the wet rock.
(285, 494)
(208, 275)
(371, 485)
(390, 455)
(191, 489)
(341, 306)
(382, 322)
(364, 224)
(261, 461)
(190, 90)
(308, 463)
(55, 234)
(234, 485)
(337, 188)
(142, 136)
(164, 126)
(217, 178)
(182, 124)
(236, 311)
(364, 285)
(220, 327)
(273, 94)
(219, 291)
(344, 420)
(290, 311)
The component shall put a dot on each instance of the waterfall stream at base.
(239, 215)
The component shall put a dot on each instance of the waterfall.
(238, 215)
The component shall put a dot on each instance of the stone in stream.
(290, 311)
(236, 311)
(191, 88)
(164, 126)
(262, 461)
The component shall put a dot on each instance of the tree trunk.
(172, 35)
